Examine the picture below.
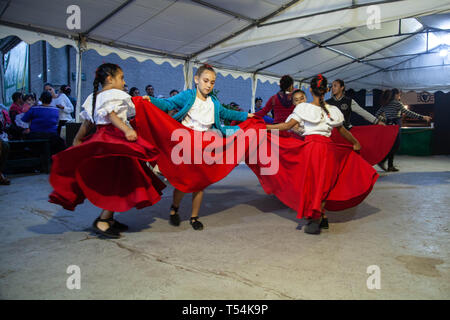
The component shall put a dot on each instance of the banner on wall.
(413, 97)
(15, 66)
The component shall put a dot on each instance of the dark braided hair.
(319, 86)
(286, 82)
(102, 72)
(204, 67)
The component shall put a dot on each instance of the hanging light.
(443, 51)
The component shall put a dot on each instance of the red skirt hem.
(107, 170)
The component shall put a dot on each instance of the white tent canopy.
(257, 39)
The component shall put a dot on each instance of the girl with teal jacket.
(199, 111)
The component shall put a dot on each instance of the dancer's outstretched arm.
(349, 137)
(282, 126)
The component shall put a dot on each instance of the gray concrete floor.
(251, 248)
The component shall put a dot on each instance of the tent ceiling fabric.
(176, 31)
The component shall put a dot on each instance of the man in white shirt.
(62, 102)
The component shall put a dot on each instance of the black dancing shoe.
(392, 169)
(313, 226)
(382, 165)
(174, 218)
(197, 225)
(324, 223)
(111, 232)
(119, 226)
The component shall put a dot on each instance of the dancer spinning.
(376, 139)
(199, 111)
(298, 96)
(324, 160)
(392, 109)
(281, 103)
(347, 105)
(107, 167)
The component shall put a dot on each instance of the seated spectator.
(173, 92)
(29, 101)
(5, 123)
(150, 90)
(134, 92)
(4, 150)
(61, 102)
(44, 123)
(16, 132)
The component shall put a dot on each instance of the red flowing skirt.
(108, 170)
(317, 170)
(376, 141)
(301, 173)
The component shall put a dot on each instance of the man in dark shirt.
(347, 105)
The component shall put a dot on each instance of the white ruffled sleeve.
(336, 115)
(113, 100)
(298, 128)
(86, 114)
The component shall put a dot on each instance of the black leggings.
(395, 147)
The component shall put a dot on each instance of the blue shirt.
(43, 119)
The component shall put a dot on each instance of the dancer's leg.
(197, 198)
(177, 197)
(105, 214)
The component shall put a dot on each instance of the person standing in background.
(65, 88)
(62, 102)
(392, 110)
(150, 90)
(347, 105)
(134, 92)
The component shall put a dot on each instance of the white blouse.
(64, 114)
(314, 120)
(201, 115)
(108, 101)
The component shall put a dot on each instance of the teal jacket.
(185, 100)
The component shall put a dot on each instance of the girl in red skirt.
(107, 167)
(318, 178)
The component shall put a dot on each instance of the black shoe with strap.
(324, 223)
(119, 226)
(174, 218)
(392, 169)
(111, 232)
(197, 225)
(382, 165)
(313, 226)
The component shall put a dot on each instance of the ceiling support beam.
(364, 57)
(305, 50)
(353, 6)
(250, 26)
(225, 11)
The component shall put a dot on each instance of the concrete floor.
(251, 248)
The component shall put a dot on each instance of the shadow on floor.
(417, 178)
(217, 198)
